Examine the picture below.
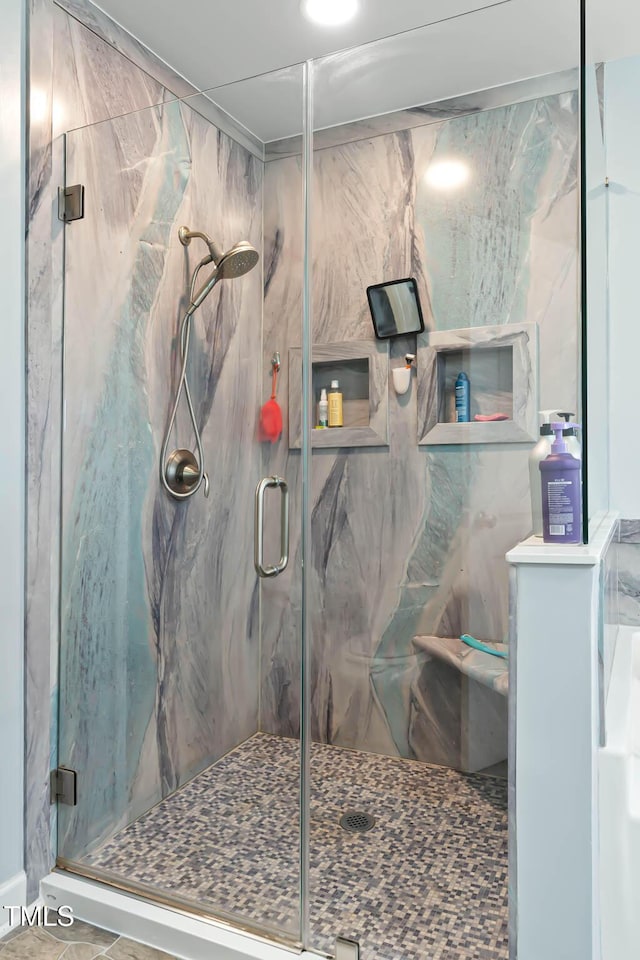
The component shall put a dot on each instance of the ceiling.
(464, 45)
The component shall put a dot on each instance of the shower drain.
(355, 821)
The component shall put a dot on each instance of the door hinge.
(71, 203)
(64, 787)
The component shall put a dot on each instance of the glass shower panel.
(595, 220)
(164, 676)
(413, 507)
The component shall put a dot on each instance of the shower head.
(227, 266)
(236, 262)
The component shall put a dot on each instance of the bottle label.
(462, 402)
(560, 507)
(335, 409)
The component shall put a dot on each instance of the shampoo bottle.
(561, 492)
(323, 409)
(539, 453)
(335, 405)
(463, 399)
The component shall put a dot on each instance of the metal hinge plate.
(347, 949)
(71, 203)
(64, 787)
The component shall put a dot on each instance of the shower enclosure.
(312, 755)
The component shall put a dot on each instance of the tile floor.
(428, 882)
(81, 941)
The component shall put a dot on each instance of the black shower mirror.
(395, 308)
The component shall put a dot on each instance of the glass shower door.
(310, 757)
(168, 606)
(413, 504)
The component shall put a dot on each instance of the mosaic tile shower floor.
(428, 882)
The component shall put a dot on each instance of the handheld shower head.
(227, 266)
(236, 262)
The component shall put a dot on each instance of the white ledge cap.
(602, 529)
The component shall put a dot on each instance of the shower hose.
(183, 384)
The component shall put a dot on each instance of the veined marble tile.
(408, 540)
(62, 47)
(404, 540)
(611, 614)
(83, 79)
(628, 561)
(113, 35)
(629, 531)
(88, 40)
(147, 654)
(507, 94)
(135, 561)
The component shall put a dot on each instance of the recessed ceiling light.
(330, 13)
(447, 174)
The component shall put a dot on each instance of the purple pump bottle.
(561, 492)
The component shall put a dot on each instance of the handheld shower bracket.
(185, 237)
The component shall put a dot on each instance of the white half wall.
(12, 480)
(557, 596)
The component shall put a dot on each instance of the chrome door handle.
(258, 557)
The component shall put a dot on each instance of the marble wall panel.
(611, 608)
(84, 67)
(74, 78)
(77, 77)
(627, 557)
(409, 540)
(114, 37)
(145, 652)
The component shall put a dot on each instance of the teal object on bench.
(478, 645)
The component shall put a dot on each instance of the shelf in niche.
(361, 367)
(501, 363)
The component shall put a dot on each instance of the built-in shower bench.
(492, 672)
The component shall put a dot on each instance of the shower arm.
(184, 468)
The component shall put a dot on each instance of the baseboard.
(13, 893)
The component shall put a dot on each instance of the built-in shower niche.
(361, 367)
(489, 369)
(501, 363)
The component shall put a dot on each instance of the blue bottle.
(463, 402)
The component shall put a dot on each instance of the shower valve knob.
(183, 473)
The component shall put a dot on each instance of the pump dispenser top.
(545, 426)
(559, 444)
(565, 415)
(562, 429)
